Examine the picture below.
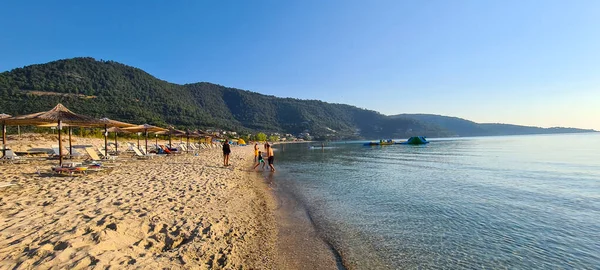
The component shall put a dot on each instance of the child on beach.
(260, 160)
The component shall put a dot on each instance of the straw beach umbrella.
(4, 116)
(116, 130)
(188, 134)
(63, 125)
(145, 128)
(171, 132)
(59, 115)
(108, 123)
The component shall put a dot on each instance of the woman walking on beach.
(270, 157)
(226, 152)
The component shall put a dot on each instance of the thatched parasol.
(145, 128)
(69, 128)
(4, 116)
(108, 123)
(188, 134)
(60, 115)
(171, 132)
(116, 130)
(202, 134)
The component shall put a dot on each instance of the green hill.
(120, 92)
(110, 89)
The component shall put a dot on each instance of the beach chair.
(193, 147)
(55, 150)
(82, 170)
(109, 157)
(138, 154)
(165, 150)
(11, 157)
(183, 147)
(93, 154)
(130, 146)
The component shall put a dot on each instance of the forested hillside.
(117, 91)
(120, 92)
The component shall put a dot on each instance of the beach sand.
(176, 212)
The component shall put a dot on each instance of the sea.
(511, 202)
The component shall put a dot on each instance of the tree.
(261, 136)
(273, 138)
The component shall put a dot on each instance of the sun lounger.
(141, 155)
(92, 153)
(193, 146)
(183, 147)
(70, 170)
(109, 157)
(11, 157)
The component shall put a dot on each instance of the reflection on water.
(501, 202)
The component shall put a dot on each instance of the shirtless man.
(270, 157)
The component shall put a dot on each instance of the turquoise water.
(526, 202)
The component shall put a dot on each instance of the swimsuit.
(271, 158)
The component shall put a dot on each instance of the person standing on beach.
(270, 157)
(226, 152)
(256, 152)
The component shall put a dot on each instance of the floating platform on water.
(412, 141)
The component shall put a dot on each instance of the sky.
(528, 62)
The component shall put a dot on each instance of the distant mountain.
(462, 128)
(120, 92)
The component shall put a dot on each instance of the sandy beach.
(177, 212)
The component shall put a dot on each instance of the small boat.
(415, 140)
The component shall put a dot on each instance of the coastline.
(298, 243)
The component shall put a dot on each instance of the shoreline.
(298, 242)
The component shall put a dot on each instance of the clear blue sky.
(523, 62)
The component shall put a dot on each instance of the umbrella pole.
(70, 145)
(105, 141)
(138, 137)
(3, 139)
(59, 145)
(156, 140)
(116, 145)
(170, 144)
(188, 143)
(146, 131)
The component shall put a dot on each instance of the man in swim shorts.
(270, 157)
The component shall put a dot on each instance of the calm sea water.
(515, 202)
